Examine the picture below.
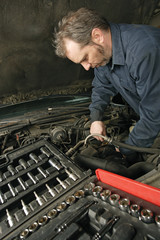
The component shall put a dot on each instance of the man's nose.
(86, 65)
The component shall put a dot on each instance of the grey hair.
(77, 26)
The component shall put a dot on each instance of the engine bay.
(47, 170)
(68, 126)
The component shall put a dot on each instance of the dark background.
(27, 60)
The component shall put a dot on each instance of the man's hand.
(98, 127)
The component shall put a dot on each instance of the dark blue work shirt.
(134, 72)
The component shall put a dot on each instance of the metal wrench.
(105, 228)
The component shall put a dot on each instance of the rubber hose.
(124, 145)
(134, 171)
(135, 148)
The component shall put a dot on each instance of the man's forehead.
(73, 50)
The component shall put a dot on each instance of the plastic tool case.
(44, 195)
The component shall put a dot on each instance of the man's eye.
(85, 59)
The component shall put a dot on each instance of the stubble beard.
(106, 56)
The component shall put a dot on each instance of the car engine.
(48, 184)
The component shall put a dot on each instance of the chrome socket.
(10, 219)
(51, 190)
(42, 220)
(79, 194)
(45, 151)
(24, 234)
(11, 169)
(105, 194)
(34, 157)
(22, 183)
(71, 175)
(97, 190)
(89, 187)
(157, 220)
(42, 171)
(25, 208)
(2, 199)
(114, 199)
(146, 216)
(54, 163)
(62, 183)
(11, 188)
(52, 214)
(33, 227)
(40, 200)
(23, 163)
(70, 200)
(124, 204)
(1, 176)
(134, 210)
(61, 207)
(32, 177)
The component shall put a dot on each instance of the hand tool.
(146, 216)
(70, 200)
(1, 176)
(34, 157)
(52, 214)
(23, 163)
(61, 207)
(22, 183)
(33, 227)
(42, 220)
(2, 199)
(105, 194)
(25, 208)
(45, 151)
(114, 199)
(71, 175)
(32, 177)
(157, 220)
(42, 171)
(124, 204)
(11, 188)
(10, 219)
(75, 216)
(24, 234)
(79, 194)
(134, 210)
(101, 233)
(39, 199)
(97, 190)
(89, 187)
(51, 190)
(11, 169)
(54, 163)
(62, 183)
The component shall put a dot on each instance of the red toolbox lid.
(138, 189)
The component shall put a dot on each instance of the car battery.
(44, 194)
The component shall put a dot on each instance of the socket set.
(44, 194)
(95, 211)
(32, 178)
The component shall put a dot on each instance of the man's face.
(90, 56)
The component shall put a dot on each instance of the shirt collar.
(117, 49)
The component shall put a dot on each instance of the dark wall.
(27, 59)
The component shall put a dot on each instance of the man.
(126, 59)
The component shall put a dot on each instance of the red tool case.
(138, 189)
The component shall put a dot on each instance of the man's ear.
(97, 36)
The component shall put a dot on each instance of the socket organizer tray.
(43, 194)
